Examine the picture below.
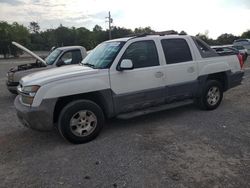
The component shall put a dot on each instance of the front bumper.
(12, 86)
(38, 118)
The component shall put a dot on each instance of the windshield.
(52, 56)
(103, 55)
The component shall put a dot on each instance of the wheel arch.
(222, 77)
(102, 98)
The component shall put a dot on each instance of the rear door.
(142, 86)
(180, 69)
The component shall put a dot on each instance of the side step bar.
(154, 109)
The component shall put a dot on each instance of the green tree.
(34, 27)
(97, 36)
(85, 38)
(97, 28)
(143, 30)
(20, 34)
(226, 39)
(206, 39)
(183, 33)
(14, 32)
(118, 32)
(5, 38)
(64, 36)
(246, 34)
(48, 39)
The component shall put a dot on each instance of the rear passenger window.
(142, 54)
(202, 46)
(176, 50)
(204, 49)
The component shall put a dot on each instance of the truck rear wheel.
(211, 96)
(80, 121)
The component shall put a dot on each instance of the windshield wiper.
(89, 65)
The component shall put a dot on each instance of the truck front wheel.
(211, 96)
(80, 121)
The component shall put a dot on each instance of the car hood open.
(29, 52)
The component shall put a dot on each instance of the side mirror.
(60, 63)
(126, 64)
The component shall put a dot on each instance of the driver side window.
(142, 54)
(66, 58)
(71, 57)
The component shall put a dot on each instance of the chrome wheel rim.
(213, 96)
(83, 123)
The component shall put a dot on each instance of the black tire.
(203, 101)
(70, 111)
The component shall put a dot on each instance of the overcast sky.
(192, 16)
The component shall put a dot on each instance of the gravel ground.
(182, 147)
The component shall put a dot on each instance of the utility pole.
(110, 20)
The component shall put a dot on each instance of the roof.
(148, 36)
(70, 47)
(120, 39)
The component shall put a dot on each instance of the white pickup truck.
(61, 56)
(123, 78)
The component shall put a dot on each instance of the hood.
(29, 52)
(54, 74)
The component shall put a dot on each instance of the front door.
(142, 86)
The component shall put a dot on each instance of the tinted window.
(142, 54)
(176, 50)
(202, 46)
(239, 47)
(204, 49)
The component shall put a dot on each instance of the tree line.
(35, 39)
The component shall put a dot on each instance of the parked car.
(230, 50)
(124, 78)
(243, 42)
(58, 57)
(241, 49)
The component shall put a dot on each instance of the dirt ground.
(182, 147)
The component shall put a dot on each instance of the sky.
(213, 17)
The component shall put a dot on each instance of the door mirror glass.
(126, 64)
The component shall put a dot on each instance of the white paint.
(77, 79)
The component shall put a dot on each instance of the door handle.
(159, 74)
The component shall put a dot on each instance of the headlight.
(30, 89)
(28, 93)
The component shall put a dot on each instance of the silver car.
(58, 57)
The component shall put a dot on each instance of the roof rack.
(160, 33)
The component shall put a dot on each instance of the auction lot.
(182, 147)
